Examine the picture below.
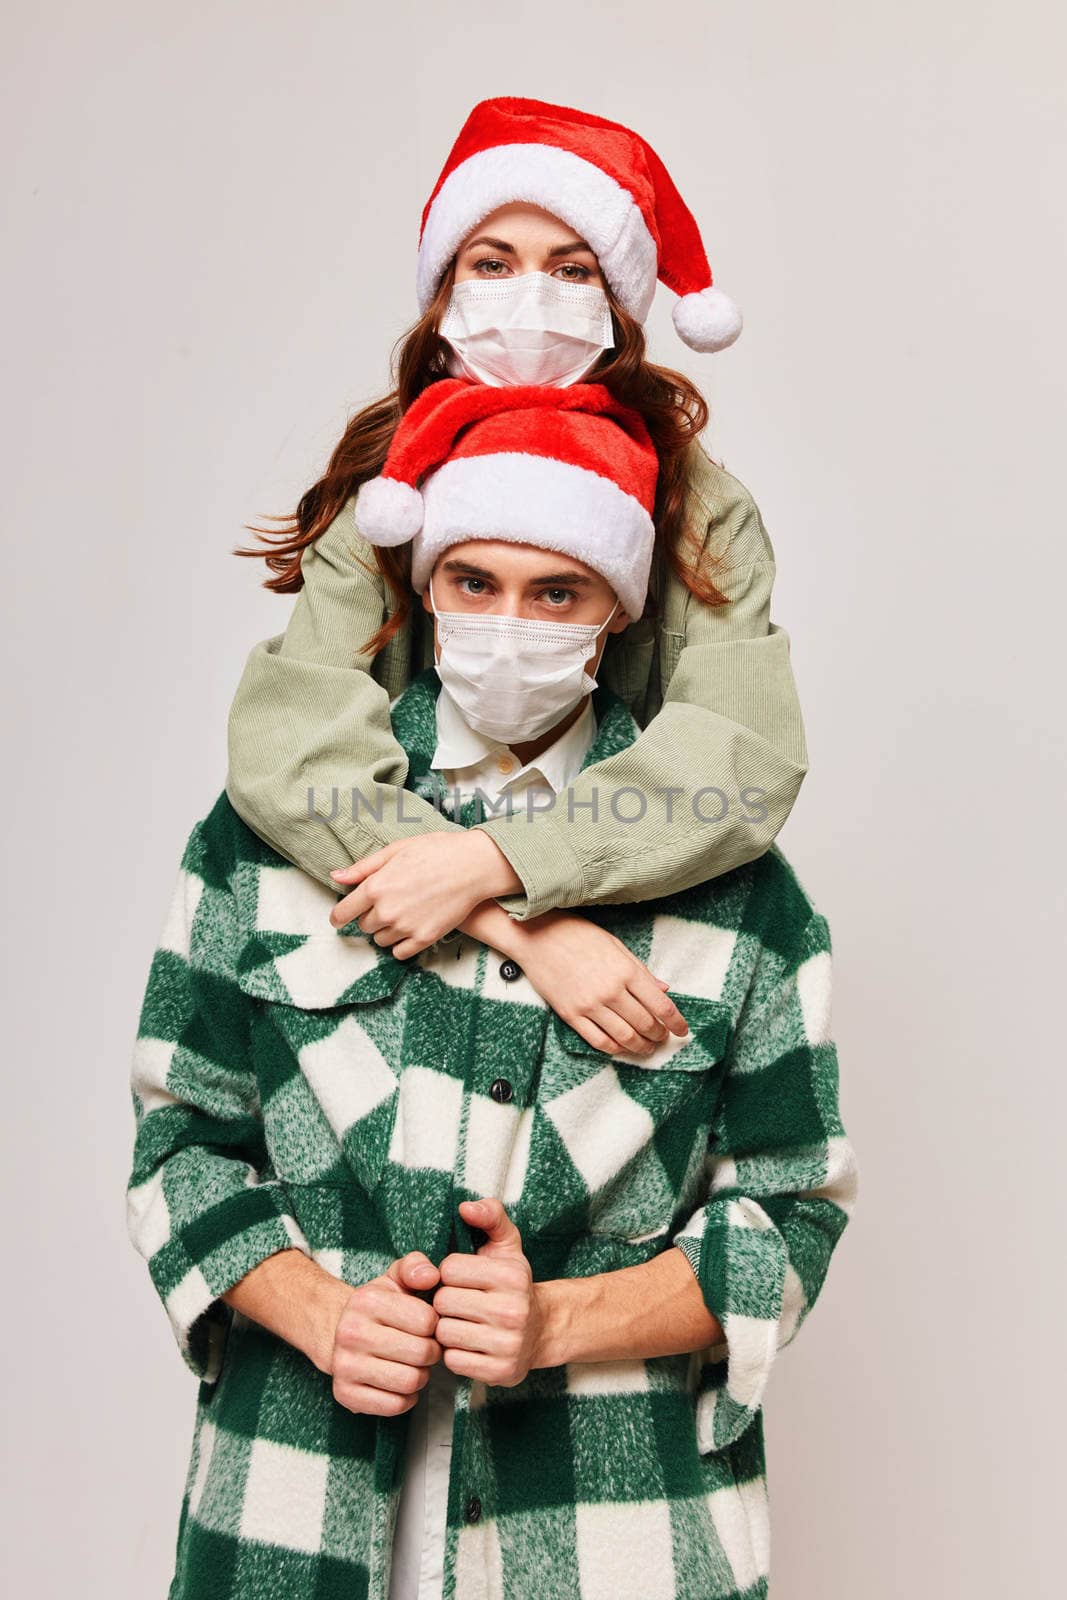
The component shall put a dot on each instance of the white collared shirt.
(467, 760)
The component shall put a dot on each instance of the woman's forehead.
(525, 219)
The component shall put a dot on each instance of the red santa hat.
(568, 469)
(603, 179)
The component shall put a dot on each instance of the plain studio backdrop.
(212, 218)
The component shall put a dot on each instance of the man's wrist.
(325, 1303)
(561, 1303)
(295, 1298)
(652, 1309)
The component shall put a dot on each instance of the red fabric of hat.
(597, 175)
(569, 469)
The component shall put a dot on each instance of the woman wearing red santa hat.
(539, 252)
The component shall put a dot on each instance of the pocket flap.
(294, 956)
(319, 971)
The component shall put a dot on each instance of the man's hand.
(489, 1316)
(412, 891)
(384, 1344)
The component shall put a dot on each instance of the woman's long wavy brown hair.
(674, 411)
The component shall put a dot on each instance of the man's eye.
(463, 581)
(559, 596)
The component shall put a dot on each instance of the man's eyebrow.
(467, 567)
(505, 248)
(573, 580)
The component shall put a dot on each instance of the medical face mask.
(527, 329)
(513, 678)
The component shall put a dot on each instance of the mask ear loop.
(592, 652)
(603, 625)
(433, 608)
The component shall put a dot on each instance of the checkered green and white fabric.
(298, 1087)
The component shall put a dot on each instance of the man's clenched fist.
(384, 1345)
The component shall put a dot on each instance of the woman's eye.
(492, 262)
(575, 272)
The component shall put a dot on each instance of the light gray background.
(211, 226)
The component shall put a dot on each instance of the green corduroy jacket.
(298, 1087)
(711, 686)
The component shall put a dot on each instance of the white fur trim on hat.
(538, 500)
(573, 189)
(388, 511)
(708, 320)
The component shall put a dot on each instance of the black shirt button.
(473, 1509)
(510, 970)
(501, 1090)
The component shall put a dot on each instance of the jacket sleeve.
(202, 1208)
(720, 765)
(782, 1181)
(728, 743)
(309, 717)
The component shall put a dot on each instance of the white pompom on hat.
(569, 469)
(598, 176)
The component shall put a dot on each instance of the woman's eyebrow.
(494, 244)
(509, 249)
(571, 248)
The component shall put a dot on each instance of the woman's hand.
(489, 1318)
(412, 891)
(384, 1344)
(595, 983)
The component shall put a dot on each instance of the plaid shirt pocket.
(637, 1127)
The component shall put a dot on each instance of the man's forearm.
(294, 1297)
(655, 1309)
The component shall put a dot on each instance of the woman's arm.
(309, 715)
(720, 764)
(587, 975)
(309, 718)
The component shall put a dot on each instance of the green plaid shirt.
(297, 1086)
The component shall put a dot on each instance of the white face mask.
(528, 329)
(513, 678)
